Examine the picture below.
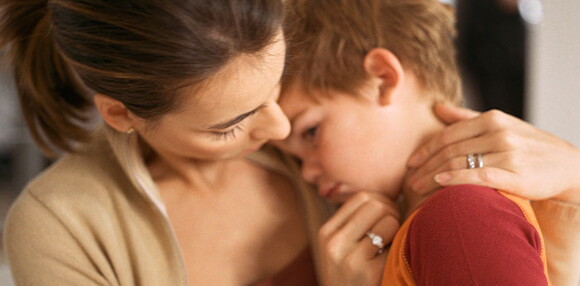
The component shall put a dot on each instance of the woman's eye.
(228, 135)
(310, 133)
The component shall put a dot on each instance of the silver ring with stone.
(377, 241)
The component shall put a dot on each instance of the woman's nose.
(274, 125)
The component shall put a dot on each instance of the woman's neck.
(195, 174)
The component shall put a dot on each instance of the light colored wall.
(554, 81)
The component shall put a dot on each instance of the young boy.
(359, 89)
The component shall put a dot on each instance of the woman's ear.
(383, 65)
(114, 113)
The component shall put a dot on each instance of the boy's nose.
(311, 170)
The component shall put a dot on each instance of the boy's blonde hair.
(328, 40)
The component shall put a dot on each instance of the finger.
(339, 219)
(346, 238)
(489, 177)
(490, 120)
(377, 263)
(366, 272)
(450, 113)
(454, 133)
(365, 218)
(426, 183)
(386, 228)
(392, 207)
(376, 196)
(484, 144)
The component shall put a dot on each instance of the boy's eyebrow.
(237, 119)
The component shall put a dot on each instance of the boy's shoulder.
(462, 230)
(463, 198)
(463, 206)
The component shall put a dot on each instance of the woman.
(164, 194)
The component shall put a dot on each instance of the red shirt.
(468, 235)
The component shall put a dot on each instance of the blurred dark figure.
(492, 52)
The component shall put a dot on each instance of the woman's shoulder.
(83, 218)
(81, 182)
(85, 171)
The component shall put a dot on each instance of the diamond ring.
(377, 241)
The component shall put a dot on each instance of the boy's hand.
(348, 255)
(518, 158)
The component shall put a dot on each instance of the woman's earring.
(130, 131)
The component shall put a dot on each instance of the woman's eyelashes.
(230, 134)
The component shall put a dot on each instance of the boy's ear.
(384, 65)
(114, 113)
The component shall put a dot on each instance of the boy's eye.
(310, 133)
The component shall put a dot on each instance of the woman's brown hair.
(140, 52)
(328, 40)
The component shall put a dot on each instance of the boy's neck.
(428, 126)
(427, 123)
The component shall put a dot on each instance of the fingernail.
(442, 178)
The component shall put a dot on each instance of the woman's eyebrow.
(237, 119)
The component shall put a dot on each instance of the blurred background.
(519, 56)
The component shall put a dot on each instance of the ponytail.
(54, 102)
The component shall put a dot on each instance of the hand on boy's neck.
(450, 113)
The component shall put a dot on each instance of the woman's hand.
(348, 255)
(518, 157)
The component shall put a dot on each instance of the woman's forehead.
(242, 85)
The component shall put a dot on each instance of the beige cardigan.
(96, 218)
